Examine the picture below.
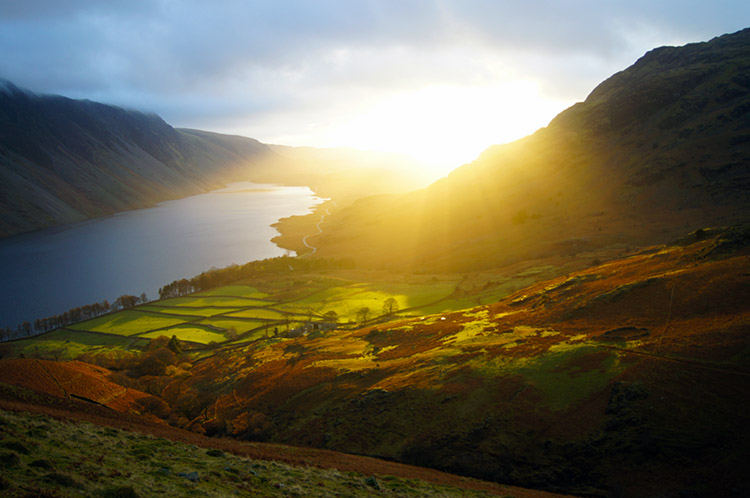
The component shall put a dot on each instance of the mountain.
(656, 150)
(64, 160)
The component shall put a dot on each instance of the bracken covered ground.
(622, 379)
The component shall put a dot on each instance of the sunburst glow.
(445, 126)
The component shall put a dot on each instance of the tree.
(362, 314)
(390, 306)
(331, 316)
(232, 334)
(174, 345)
(125, 301)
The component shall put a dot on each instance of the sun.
(444, 127)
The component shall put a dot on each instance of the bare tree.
(362, 314)
(390, 306)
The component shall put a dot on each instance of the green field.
(191, 333)
(347, 300)
(222, 314)
(189, 311)
(70, 344)
(235, 290)
(128, 322)
(239, 326)
(200, 301)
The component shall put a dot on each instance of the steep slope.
(656, 150)
(64, 160)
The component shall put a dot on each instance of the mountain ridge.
(65, 160)
(656, 150)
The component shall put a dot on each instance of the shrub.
(215, 453)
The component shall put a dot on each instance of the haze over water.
(51, 271)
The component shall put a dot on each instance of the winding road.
(320, 230)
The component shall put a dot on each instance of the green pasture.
(190, 311)
(239, 326)
(202, 301)
(190, 333)
(478, 297)
(235, 290)
(258, 314)
(70, 344)
(211, 316)
(128, 322)
(347, 300)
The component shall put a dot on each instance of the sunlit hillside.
(656, 150)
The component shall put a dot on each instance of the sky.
(437, 79)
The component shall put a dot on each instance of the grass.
(69, 344)
(347, 300)
(478, 297)
(190, 311)
(198, 300)
(258, 314)
(235, 290)
(239, 326)
(127, 323)
(191, 333)
(65, 459)
(570, 374)
(231, 307)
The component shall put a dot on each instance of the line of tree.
(73, 315)
(217, 277)
(207, 280)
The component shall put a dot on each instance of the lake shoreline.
(128, 253)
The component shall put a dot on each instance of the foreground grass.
(41, 456)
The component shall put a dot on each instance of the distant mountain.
(656, 150)
(64, 160)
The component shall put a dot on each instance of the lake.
(48, 272)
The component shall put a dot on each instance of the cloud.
(304, 63)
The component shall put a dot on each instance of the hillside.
(656, 150)
(622, 379)
(64, 160)
(52, 447)
(642, 361)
